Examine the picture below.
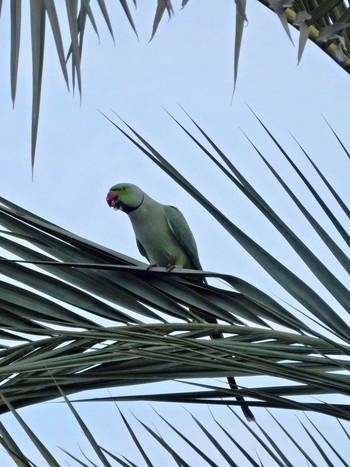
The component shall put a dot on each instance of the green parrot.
(163, 237)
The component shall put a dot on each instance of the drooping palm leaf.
(325, 23)
(78, 316)
(223, 444)
(286, 278)
(97, 355)
(267, 444)
(42, 449)
(76, 17)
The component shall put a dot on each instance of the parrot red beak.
(112, 199)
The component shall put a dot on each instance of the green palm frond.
(286, 278)
(325, 23)
(89, 355)
(67, 346)
(223, 444)
(45, 13)
(77, 316)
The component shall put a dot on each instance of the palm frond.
(77, 316)
(325, 23)
(267, 444)
(89, 355)
(76, 20)
(223, 444)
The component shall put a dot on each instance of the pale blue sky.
(190, 62)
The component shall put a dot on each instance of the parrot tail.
(244, 406)
(231, 380)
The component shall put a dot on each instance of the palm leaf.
(35, 440)
(37, 17)
(78, 316)
(15, 42)
(325, 23)
(83, 275)
(286, 278)
(158, 355)
(267, 446)
(12, 448)
(86, 431)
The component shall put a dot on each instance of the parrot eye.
(124, 188)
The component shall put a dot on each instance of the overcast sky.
(80, 154)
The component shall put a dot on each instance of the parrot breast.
(156, 238)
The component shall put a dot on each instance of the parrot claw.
(170, 267)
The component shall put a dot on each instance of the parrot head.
(125, 196)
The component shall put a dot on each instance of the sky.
(80, 154)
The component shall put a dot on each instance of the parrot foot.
(168, 267)
(171, 267)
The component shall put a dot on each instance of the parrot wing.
(142, 250)
(179, 227)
